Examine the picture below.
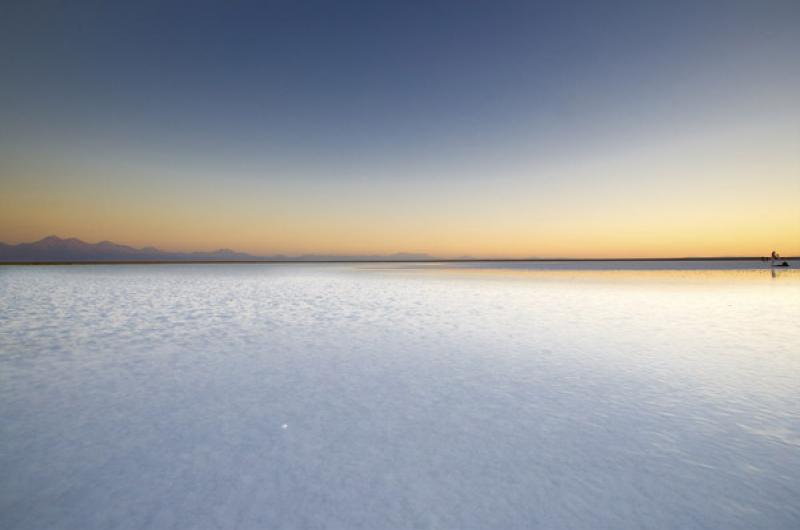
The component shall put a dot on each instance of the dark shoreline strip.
(290, 261)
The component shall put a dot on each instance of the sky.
(488, 129)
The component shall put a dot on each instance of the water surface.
(399, 396)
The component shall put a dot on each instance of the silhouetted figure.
(776, 258)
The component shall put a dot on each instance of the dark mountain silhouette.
(56, 249)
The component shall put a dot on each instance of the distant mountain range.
(56, 249)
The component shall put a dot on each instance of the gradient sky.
(579, 129)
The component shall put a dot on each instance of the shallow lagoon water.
(399, 396)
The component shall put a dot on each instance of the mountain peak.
(55, 249)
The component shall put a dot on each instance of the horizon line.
(429, 260)
(319, 257)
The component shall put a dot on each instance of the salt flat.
(399, 396)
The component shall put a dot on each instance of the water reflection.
(636, 272)
(783, 273)
(504, 395)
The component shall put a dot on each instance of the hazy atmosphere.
(492, 129)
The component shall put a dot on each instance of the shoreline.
(343, 261)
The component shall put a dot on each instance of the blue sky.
(340, 115)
